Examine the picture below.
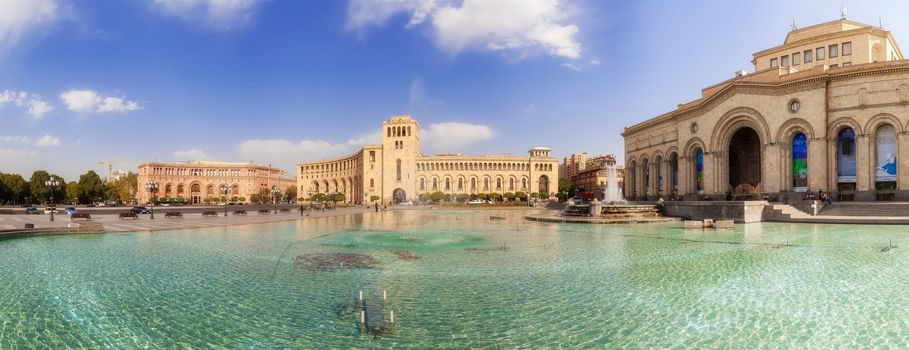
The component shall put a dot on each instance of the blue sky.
(283, 81)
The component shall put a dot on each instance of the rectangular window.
(796, 59)
(833, 51)
(809, 56)
(833, 66)
(847, 49)
(773, 63)
(820, 53)
(784, 61)
(847, 64)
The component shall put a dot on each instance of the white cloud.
(9, 156)
(496, 25)
(532, 108)
(35, 106)
(453, 136)
(369, 139)
(15, 139)
(19, 17)
(88, 101)
(47, 140)
(221, 15)
(191, 154)
(579, 66)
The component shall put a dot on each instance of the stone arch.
(735, 119)
(421, 183)
(881, 119)
(168, 189)
(793, 126)
(181, 190)
(691, 145)
(835, 126)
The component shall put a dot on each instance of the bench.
(239, 212)
(173, 215)
(124, 216)
(264, 212)
(285, 210)
(84, 216)
(6, 211)
(208, 213)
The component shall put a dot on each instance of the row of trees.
(14, 189)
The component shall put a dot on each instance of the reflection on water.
(460, 279)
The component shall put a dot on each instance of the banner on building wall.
(699, 163)
(660, 176)
(886, 154)
(800, 163)
(845, 156)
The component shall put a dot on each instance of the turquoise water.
(456, 279)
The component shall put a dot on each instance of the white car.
(410, 203)
(477, 201)
(48, 210)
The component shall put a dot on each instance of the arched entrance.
(745, 161)
(398, 195)
(544, 185)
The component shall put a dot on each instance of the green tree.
(509, 196)
(290, 192)
(482, 196)
(520, 195)
(461, 197)
(338, 197)
(374, 198)
(90, 187)
(437, 196)
(565, 186)
(318, 197)
(16, 186)
(242, 199)
(37, 188)
(495, 196)
(123, 189)
(72, 192)
(534, 195)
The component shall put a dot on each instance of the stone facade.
(198, 180)
(397, 171)
(781, 131)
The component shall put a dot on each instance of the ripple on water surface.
(461, 280)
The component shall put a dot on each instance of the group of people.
(819, 195)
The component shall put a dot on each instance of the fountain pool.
(476, 283)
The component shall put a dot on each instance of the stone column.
(683, 176)
(864, 174)
(817, 165)
(902, 171)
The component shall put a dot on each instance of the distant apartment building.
(578, 162)
(592, 181)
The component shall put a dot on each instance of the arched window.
(422, 183)
(845, 156)
(460, 184)
(447, 184)
(372, 183)
(473, 184)
(499, 184)
(885, 142)
(435, 184)
(658, 164)
(646, 175)
(524, 184)
(511, 184)
(632, 177)
(699, 170)
(799, 162)
(398, 176)
(485, 184)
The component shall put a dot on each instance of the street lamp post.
(275, 191)
(52, 183)
(152, 188)
(224, 189)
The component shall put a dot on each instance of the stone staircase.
(891, 209)
(783, 212)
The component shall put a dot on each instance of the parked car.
(406, 203)
(70, 210)
(140, 210)
(477, 201)
(49, 210)
(32, 211)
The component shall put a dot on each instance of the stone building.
(397, 171)
(198, 180)
(826, 110)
